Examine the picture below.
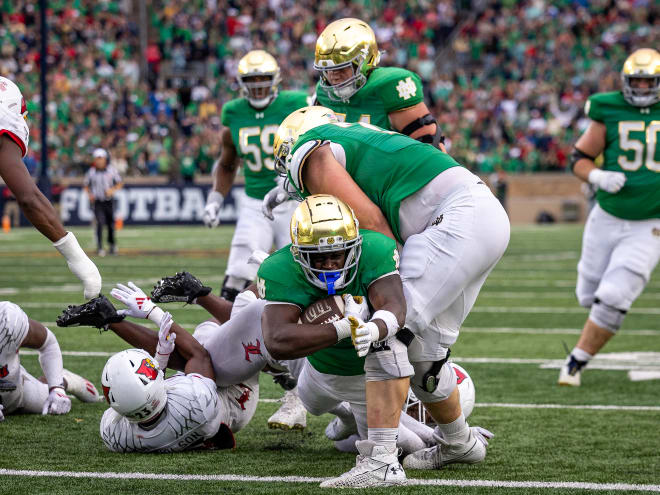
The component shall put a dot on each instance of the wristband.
(214, 197)
(155, 315)
(390, 321)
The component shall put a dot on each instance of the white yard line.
(620, 487)
(551, 331)
(551, 309)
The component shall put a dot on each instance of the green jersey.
(387, 166)
(387, 90)
(281, 278)
(631, 147)
(253, 132)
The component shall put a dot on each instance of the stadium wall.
(151, 200)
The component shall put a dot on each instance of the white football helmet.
(134, 385)
(465, 389)
(11, 98)
(13, 114)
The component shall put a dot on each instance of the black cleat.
(182, 287)
(285, 380)
(98, 312)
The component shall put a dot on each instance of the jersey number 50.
(266, 138)
(637, 145)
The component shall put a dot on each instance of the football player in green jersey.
(329, 255)
(453, 231)
(621, 243)
(250, 124)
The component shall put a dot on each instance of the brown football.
(324, 310)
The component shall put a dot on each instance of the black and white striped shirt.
(98, 181)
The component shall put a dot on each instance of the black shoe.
(182, 287)
(285, 380)
(98, 312)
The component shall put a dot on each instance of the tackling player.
(14, 138)
(31, 395)
(250, 125)
(621, 242)
(453, 231)
(199, 414)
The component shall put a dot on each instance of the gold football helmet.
(642, 64)
(295, 125)
(346, 43)
(322, 224)
(258, 78)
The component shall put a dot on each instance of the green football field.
(601, 438)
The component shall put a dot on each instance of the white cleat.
(339, 429)
(81, 388)
(374, 466)
(571, 372)
(470, 452)
(291, 415)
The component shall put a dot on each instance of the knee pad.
(620, 287)
(585, 291)
(606, 316)
(387, 361)
(446, 382)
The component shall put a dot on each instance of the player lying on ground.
(621, 243)
(453, 231)
(198, 412)
(14, 139)
(27, 394)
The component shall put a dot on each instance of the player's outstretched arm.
(224, 171)
(588, 147)
(323, 174)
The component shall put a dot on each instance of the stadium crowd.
(507, 80)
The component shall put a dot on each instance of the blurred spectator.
(507, 79)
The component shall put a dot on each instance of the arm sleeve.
(50, 359)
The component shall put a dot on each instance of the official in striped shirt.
(101, 183)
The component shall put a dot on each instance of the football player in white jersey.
(14, 138)
(199, 412)
(30, 395)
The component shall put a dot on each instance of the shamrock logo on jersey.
(148, 369)
(406, 88)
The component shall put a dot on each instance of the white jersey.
(193, 414)
(14, 326)
(12, 114)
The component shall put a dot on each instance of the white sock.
(386, 437)
(581, 355)
(457, 431)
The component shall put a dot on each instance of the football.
(324, 310)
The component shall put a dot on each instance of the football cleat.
(292, 415)
(285, 380)
(571, 372)
(182, 287)
(470, 452)
(374, 466)
(98, 312)
(338, 429)
(79, 387)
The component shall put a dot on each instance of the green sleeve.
(592, 109)
(226, 114)
(379, 256)
(402, 89)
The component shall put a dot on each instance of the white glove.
(482, 434)
(356, 306)
(611, 182)
(2, 416)
(80, 264)
(166, 340)
(363, 334)
(211, 215)
(273, 198)
(57, 402)
(138, 303)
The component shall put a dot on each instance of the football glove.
(611, 182)
(363, 334)
(57, 402)
(80, 264)
(182, 287)
(138, 303)
(356, 306)
(211, 216)
(166, 340)
(273, 198)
